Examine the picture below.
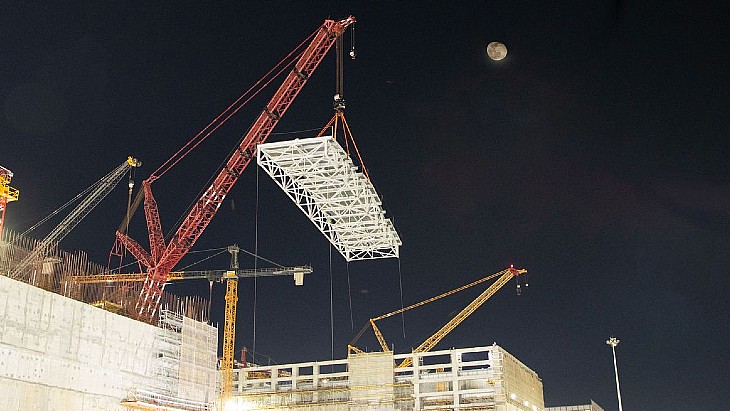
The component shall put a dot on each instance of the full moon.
(496, 50)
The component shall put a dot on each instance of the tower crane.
(94, 194)
(7, 194)
(162, 257)
(231, 277)
(504, 277)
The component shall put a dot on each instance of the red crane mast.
(163, 257)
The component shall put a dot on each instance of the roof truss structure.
(321, 179)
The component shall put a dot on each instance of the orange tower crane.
(7, 194)
(229, 325)
(230, 276)
(162, 256)
(504, 277)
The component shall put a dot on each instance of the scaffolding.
(321, 179)
(185, 361)
(140, 399)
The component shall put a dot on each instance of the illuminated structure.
(613, 342)
(479, 378)
(58, 353)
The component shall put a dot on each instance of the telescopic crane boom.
(162, 257)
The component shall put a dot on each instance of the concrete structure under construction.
(481, 378)
(60, 350)
(57, 353)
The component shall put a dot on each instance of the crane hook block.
(133, 162)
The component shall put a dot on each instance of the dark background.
(594, 155)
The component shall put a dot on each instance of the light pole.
(613, 342)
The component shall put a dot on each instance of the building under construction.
(58, 352)
(478, 378)
(84, 353)
(77, 335)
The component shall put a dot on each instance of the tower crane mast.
(229, 326)
(230, 276)
(162, 257)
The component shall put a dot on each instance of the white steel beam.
(321, 179)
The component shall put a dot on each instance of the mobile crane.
(504, 277)
(162, 257)
(94, 194)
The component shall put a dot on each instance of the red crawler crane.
(163, 257)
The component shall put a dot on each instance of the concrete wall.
(60, 354)
(521, 387)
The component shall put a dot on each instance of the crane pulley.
(504, 277)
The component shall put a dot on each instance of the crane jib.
(96, 193)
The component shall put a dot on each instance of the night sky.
(594, 155)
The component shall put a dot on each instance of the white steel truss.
(321, 179)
